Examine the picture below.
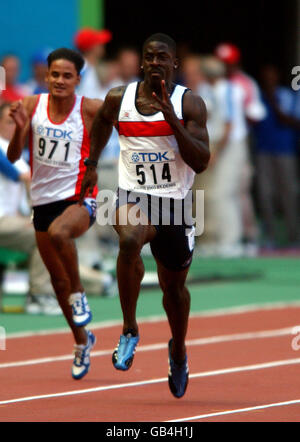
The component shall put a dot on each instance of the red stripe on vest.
(85, 151)
(31, 135)
(145, 129)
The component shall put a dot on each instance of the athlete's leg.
(60, 281)
(130, 267)
(176, 302)
(71, 224)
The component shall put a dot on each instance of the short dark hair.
(67, 54)
(163, 38)
(3, 106)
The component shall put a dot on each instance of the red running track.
(242, 368)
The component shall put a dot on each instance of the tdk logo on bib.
(149, 157)
(135, 157)
(54, 133)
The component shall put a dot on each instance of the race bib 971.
(55, 153)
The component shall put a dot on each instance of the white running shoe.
(82, 314)
(81, 363)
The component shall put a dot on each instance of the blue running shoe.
(81, 363)
(124, 353)
(82, 314)
(178, 375)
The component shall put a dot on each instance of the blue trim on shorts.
(91, 206)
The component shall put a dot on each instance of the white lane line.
(263, 334)
(155, 381)
(236, 310)
(85, 391)
(236, 411)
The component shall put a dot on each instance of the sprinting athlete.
(164, 142)
(58, 125)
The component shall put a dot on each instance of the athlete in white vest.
(164, 142)
(57, 152)
(57, 126)
(150, 160)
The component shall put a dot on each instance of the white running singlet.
(150, 161)
(57, 152)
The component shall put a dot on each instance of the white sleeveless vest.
(57, 151)
(150, 161)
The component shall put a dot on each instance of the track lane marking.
(236, 411)
(263, 334)
(219, 372)
(226, 311)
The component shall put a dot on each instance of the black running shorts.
(173, 245)
(45, 214)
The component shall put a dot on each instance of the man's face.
(40, 72)
(62, 78)
(192, 72)
(159, 62)
(11, 66)
(7, 125)
(129, 63)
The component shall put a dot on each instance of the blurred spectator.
(13, 91)
(184, 52)
(37, 84)
(191, 73)
(119, 71)
(16, 231)
(108, 74)
(223, 228)
(91, 43)
(128, 61)
(276, 157)
(254, 111)
(231, 56)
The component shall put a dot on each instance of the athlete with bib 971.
(164, 142)
(58, 125)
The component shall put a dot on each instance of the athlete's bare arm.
(90, 107)
(192, 139)
(103, 123)
(20, 112)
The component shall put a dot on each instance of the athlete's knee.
(173, 290)
(130, 244)
(59, 235)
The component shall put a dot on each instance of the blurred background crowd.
(252, 182)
